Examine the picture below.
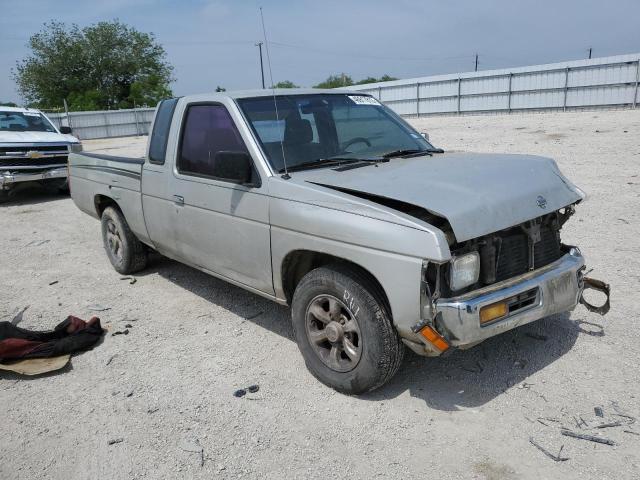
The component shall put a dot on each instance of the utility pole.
(590, 53)
(259, 45)
(476, 62)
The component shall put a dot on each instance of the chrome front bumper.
(8, 178)
(552, 289)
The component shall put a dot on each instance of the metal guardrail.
(606, 82)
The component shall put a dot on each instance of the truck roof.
(18, 109)
(268, 92)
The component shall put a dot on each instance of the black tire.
(4, 196)
(126, 253)
(381, 350)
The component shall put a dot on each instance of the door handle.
(178, 200)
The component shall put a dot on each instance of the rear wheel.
(126, 253)
(344, 330)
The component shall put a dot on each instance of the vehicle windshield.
(24, 122)
(309, 128)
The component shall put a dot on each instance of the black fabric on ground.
(71, 335)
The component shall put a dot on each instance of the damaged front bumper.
(553, 289)
(9, 178)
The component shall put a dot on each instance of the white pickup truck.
(327, 201)
(32, 149)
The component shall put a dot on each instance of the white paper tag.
(363, 100)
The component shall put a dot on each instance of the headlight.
(464, 271)
(75, 147)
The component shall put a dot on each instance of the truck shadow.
(471, 378)
(251, 307)
(32, 195)
(465, 379)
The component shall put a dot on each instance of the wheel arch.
(297, 263)
(101, 202)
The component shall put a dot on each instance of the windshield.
(320, 126)
(24, 122)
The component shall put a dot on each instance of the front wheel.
(344, 330)
(126, 253)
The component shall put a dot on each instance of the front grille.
(28, 148)
(513, 253)
(42, 162)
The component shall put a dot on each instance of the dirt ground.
(166, 388)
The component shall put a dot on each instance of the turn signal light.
(491, 312)
(434, 338)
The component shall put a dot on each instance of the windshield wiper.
(405, 152)
(331, 161)
(320, 162)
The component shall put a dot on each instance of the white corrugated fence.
(598, 82)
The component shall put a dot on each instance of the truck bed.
(94, 177)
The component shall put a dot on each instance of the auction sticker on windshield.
(363, 100)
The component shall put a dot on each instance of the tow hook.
(600, 286)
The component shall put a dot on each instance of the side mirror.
(425, 135)
(232, 166)
(65, 130)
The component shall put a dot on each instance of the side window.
(207, 130)
(160, 134)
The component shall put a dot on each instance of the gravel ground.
(166, 388)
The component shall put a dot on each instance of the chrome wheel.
(334, 333)
(114, 241)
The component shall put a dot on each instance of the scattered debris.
(132, 280)
(598, 411)
(18, 316)
(128, 325)
(120, 332)
(520, 363)
(115, 440)
(98, 308)
(610, 424)
(555, 458)
(54, 282)
(592, 438)
(37, 366)
(631, 432)
(480, 368)
(111, 358)
(537, 336)
(193, 446)
(37, 243)
(153, 410)
(243, 391)
(253, 315)
(130, 394)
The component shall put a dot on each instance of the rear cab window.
(160, 133)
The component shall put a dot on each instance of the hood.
(36, 137)
(477, 193)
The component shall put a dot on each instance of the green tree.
(102, 66)
(285, 84)
(335, 81)
(7, 104)
(384, 78)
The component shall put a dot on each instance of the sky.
(212, 43)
